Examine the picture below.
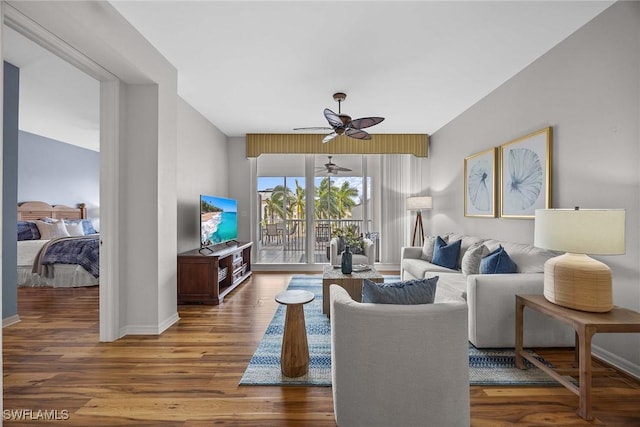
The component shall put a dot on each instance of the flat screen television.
(218, 220)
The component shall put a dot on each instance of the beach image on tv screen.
(218, 222)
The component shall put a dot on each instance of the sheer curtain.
(395, 186)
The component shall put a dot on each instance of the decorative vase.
(347, 261)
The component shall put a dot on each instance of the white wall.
(242, 188)
(588, 89)
(203, 168)
(146, 173)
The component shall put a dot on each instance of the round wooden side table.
(294, 359)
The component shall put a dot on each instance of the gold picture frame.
(480, 184)
(525, 175)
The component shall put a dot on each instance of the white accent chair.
(399, 365)
(368, 257)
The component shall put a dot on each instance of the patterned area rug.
(487, 366)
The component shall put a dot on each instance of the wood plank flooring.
(189, 375)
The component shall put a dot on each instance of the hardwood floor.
(189, 375)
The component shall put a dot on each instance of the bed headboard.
(29, 211)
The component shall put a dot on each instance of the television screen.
(218, 220)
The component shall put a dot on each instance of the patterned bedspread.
(81, 250)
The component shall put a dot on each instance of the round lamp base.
(579, 282)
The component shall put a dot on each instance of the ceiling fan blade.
(341, 169)
(333, 119)
(365, 122)
(314, 128)
(329, 137)
(357, 134)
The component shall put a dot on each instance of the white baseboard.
(618, 362)
(11, 320)
(150, 329)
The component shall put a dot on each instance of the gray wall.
(588, 89)
(58, 173)
(9, 192)
(203, 168)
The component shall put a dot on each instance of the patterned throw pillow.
(417, 291)
(446, 255)
(28, 230)
(427, 248)
(498, 262)
(472, 258)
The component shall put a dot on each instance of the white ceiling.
(56, 99)
(266, 66)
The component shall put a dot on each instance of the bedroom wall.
(11, 95)
(588, 89)
(203, 168)
(58, 173)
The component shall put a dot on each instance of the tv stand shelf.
(206, 277)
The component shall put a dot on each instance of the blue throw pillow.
(498, 262)
(417, 291)
(446, 255)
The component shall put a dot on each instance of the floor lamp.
(418, 204)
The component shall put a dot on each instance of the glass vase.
(347, 261)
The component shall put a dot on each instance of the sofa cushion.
(446, 254)
(472, 257)
(417, 291)
(528, 258)
(451, 285)
(498, 262)
(417, 267)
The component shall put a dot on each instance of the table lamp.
(575, 280)
(418, 204)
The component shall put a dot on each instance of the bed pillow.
(52, 230)
(417, 291)
(87, 225)
(28, 230)
(498, 262)
(446, 255)
(74, 228)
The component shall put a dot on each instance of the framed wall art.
(480, 184)
(525, 175)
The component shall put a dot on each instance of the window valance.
(263, 143)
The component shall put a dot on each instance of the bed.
(48, 256)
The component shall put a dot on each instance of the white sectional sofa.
(491, 297)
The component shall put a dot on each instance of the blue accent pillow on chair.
(417, 291)
(498, 262)
(446, 255)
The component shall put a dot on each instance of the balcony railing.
(291, 235)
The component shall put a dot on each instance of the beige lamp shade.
(575, 280)
(419, 203)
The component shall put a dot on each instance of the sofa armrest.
(491, 300)
(414, 252)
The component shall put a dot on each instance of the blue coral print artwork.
(480, 184)
(525, 183)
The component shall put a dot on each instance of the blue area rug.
(486, 366)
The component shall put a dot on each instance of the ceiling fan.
(331, 167)
(341, 124)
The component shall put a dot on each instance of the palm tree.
(281, 196)
(298, 202)
(326, 200)
(345, 195)
(272, 209)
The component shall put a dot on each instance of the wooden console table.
(586, 325)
